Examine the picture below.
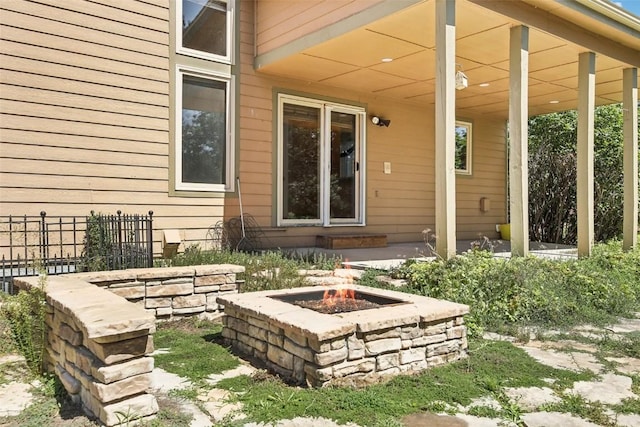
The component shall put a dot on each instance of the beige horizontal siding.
(84, 112)
(81, 142)
(105, 23)
(117, 12)
(79, 102)
(95, 155)
(155, 76)
(98, 85)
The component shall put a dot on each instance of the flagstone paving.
(612, 385)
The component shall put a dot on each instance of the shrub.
(25, 314)
(535, 291)
(267, 270)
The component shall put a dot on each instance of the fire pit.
(317, 336)
(337, 300)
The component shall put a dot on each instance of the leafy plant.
(534, 291)
(25, 313)
(98, 244)
(267, 270)
(553, 181)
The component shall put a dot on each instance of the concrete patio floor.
(395, 254)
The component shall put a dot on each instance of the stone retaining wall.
(100, 326)
(172, 292)
(98, 345)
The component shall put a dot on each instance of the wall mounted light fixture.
(379, 121)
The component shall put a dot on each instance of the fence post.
(150, 240)
(120, 245)
(43, 241)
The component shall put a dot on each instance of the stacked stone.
(303, 353)
(172, 292)
(98, 344)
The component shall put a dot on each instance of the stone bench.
(100, 326)
(98, 344)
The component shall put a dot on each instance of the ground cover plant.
(263, 271)
(492, 366)
(533, 291)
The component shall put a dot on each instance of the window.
(203, 141)
(205, 29)
(320, 150)
(463, 148)
(204, 96)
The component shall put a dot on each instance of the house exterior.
(201, 109)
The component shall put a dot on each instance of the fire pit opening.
(332, 301)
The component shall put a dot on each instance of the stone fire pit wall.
(313, 348)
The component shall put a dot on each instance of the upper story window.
(205, 29)
(204, 94)
(463, 147)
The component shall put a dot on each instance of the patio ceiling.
(354, 60)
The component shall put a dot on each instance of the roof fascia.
(552, 24)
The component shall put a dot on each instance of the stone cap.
(411, 309)
(98, 312)
(141, 274)
(288, 316)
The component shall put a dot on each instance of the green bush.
(264, 271)
(534, 291)
(25, 315)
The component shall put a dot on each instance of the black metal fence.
(32, 245)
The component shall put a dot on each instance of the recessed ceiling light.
(554, 102)
(483, 84)
(387, 59)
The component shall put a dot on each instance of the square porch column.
(445, 128)
(518, 139)
(445, 124)
(630, 132)
(586, 118)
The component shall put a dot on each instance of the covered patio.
(395, 254)
(517, 59)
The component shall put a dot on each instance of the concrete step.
(351, 241)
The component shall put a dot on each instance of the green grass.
(194, 349)
(491, 366)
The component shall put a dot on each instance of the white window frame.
(180, 49)
(325, 108)
(469, 126)
(230, 126)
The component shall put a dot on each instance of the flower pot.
(505, 231)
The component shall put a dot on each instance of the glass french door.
(319, 157)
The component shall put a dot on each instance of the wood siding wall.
(85, 113)
(279, 22)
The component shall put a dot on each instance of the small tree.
(553, 179)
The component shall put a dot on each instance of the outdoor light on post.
(379, 121)
(461, 79)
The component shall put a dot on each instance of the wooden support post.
(518, 140)
(445, 128)
(586, 117)
(630, 129)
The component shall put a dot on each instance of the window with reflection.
(205, 28)
(204, 94)
(204, 137)
(463, 147)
